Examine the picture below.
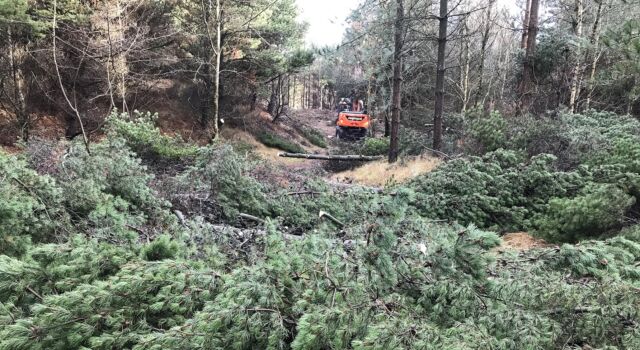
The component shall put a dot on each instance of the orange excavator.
(353, 121)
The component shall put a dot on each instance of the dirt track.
(321, 120)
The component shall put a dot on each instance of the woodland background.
(131, 217)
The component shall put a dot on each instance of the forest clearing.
(293, 174)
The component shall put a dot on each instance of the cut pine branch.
(331, 218)
(340, 157)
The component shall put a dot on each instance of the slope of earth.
(320, 120)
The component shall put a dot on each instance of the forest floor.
(376, 174)
(372, 174)
(294, 173)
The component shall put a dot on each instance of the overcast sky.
(326, 18)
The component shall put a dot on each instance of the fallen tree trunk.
(331, 157)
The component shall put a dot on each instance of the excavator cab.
(352, 125)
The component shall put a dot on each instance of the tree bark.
(466, 65)
(525, 25)
(371, 105)
(216, 93)
(594, 41)
(439, 103)
(16, 60)
(330, 157)
(295, 91)
(272, 108)
(577, 69)
(483, 52)
(288, 94)
(121, 65)
(387, 124)
(528, 68)
(397, 82)
(73, 107)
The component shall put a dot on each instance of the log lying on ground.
(331, 157)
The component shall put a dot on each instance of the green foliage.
(501, 192)
(299, 59)
(145, 138)
(595, 210)
(418, 141)
(375, 146)
(161, 248)
(396, 281)
(315, 137)
(31, 206)
(29, 20)
(107, 193)
(277, 141)
(497, 190)
(301, 211)
(115, 312)
(575, 139)
(625, 43)
(75, 275)
(413, 142)
(488, 130)
(223, 174)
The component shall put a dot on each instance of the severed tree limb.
(181, 218)
(330, 157)
(251, 217)
(331, 218)
(299, 193)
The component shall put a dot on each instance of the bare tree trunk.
(304, 91)
(272, 108)
(528, 68)
(525, 25)
(483, 52)
(295, 92)
(121, 65)
(371, 107)
(288, 90)
(218, 51)
(320, 91)
(577, 69)
(387, 124)
(73, 107)
(309, 91)
(439, 103)
(305, 96)
(315, 91)
(397, 81)
(466, 65)
(594, 40)
(110, 64)
(116, 66)
(16, 58)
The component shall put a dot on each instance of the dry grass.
(268, 153)
(379, 173)
(521, 241)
